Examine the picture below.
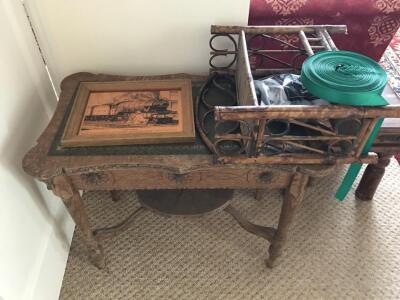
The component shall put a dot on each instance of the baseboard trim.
(53, 262)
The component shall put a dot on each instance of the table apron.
(152, 178)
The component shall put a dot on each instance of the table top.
(47, 158)
(197, 147)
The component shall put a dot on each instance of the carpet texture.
(336, 250)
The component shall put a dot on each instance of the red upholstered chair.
(371, 23)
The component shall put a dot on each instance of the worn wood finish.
(296, 159)
(102, 233)
(250, 51)
(245, 90)
(159, 178)
(364, 137)
(305, 43)
(114, 195)
(291, 201)
(266, 72)
(258, 194)
(258, 72)
(329, 39)
(371, 178)
(311, 138)
(260, 135)
(39, 164)
(323, 39)
(235, 113)
(68, 174)
(63, 188)
(361, 133)
(316, 128)
(305, 147)
(261, 231)
(233, 136)
(218, 29)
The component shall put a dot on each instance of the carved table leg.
(372, 176)
(63, 188)
(258, 195)
(292, 199)
(114, 195)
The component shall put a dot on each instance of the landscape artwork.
(130, 112)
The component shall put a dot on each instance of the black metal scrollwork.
(223, 137)
(222, 52)
(262, 56)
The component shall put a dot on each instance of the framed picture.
(130, 112)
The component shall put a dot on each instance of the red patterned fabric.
(371, 26)
(371, 23)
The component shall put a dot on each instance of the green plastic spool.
(346, 78)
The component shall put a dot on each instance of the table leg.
(371, 178)
(114, 195)
(63, 188)
(258, 195)
(292, 199)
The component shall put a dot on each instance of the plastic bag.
(284, 89)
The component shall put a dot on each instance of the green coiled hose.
(346, 78)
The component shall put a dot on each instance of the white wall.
(35, 231)
(130, 36)
(117, 37)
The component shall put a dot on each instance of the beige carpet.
(348, 250)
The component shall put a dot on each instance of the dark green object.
(355, 168)
(344, 77)
(347, 78)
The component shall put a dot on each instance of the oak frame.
(71, 137)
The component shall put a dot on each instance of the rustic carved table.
(183, 167)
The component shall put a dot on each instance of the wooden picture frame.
(130, 112)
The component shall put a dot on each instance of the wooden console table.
(154, 167)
